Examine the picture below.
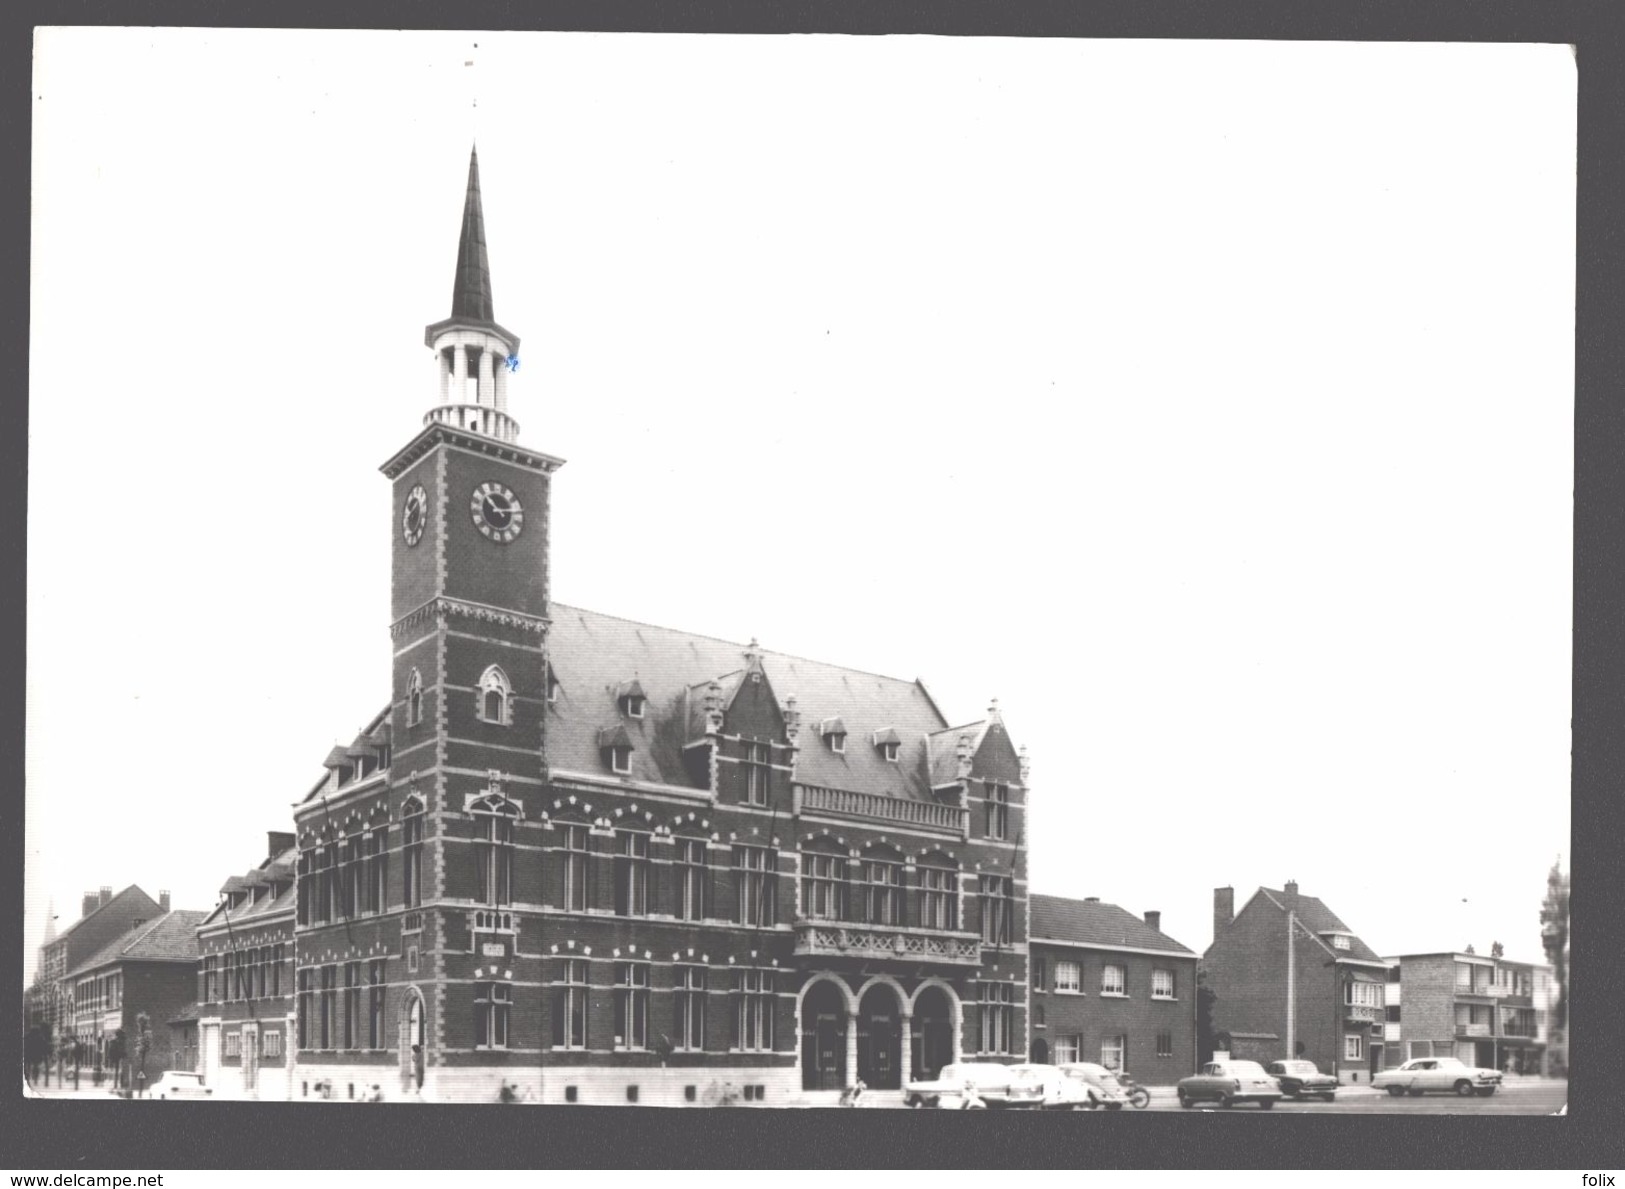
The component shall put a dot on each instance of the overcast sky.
(1208, 404)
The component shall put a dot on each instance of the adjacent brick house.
(1111, 988)
(244, 1020)
(1485, 1010)
(603, 861)
(150, 969)
(1290, 978)
(104, 916)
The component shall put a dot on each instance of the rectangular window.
(352, 1005)
(689, 991)
(304, 1008)
(1393, 1013)
(234, 1044)
(631, 1005)
(939, 898)
(753, 1010)
(882, 892)
(272, 1043)
(1111, 980)
(1363, 995)
(757, 756)
(570, 1005)
(755, 868)
(375, 1004)
(495, 858)
(632, 875)
(1340, 941)
(1353, 1047)
(1165, 1044)
(1068, 976)
(692, 877)
(1068, 1049)
(330, 1005)
(996, 1017)
(998, 811)
(377, 873)
(1114, 1052)
(209, 986)
(823, 887)
(575, 868)
(306, 895)
(277, 958)
(1162, 984)
(355, 871)
(1038, 972)
(998, 909)
(491, 1004)
(412, 858)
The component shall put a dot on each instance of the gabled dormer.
(888, 743)
(630, 699)
(833, 733)
(615, 746)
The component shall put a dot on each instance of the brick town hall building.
(603, 862)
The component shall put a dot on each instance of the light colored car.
(1100, 1083)
(990, 1080)
(1056, 1091)
(180, 1083)
(1229, 1082)
(1303, 1079)
(1422, 1074)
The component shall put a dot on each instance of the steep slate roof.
(1089, 922)
(593, 654)
(170, 938)
(281, 867)
(114, 901)
(1317, 918)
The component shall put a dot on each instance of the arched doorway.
(933, 1033)
(880, 1038)
(823, 1037)
(1039, 1054)
(412, 1046)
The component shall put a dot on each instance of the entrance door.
(823, 1038)
(933, 1036)
(880, 1038)
(830, 1052)
(1376, 1059)
(414, 1033)
(211, 1052)
(1039, 1054)
(251, 1056)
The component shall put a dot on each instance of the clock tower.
(469, 615)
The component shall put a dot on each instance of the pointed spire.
(471, 291)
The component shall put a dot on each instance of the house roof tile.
(1092, 923)
(1319, 919)
(170, 938)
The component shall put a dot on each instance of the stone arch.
(414, 1038)
(880, 1050)
(825, 1008)
(934, 1041)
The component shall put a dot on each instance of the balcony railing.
(845, 803)
(832, 939)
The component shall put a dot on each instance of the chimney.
(276, 842)
(1224, 909)
(163, 900)
(1091, 899)
(1154, 919)
(1291, 887)
(107, 894)
(89, 905)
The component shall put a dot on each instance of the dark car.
(1303, 1079)
(1229, 1082)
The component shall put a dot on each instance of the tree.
(1554, 937)
(143, 1044)
(1205, 999)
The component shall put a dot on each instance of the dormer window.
(615, 745)
(834, 733)
(1340, 941)
(552, 685)
(629, 696)
(888, 743)
(495, 697)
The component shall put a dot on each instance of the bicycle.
(1139, 1097)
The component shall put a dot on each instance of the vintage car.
(990, 1081)
(1101, 1084)
(1303, 1079)
(1057, 1091)
(1417, 1076)
(1229, 1082)
(180, 1083)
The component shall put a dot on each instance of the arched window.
(414, 699)
(938, 879)
(495, 696)
(412, 850)
(495, 816)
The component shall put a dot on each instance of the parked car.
(1056, 1090)
(990, 1080)
(1417, 1076)
(1303, 1079)
(1229, 1082)
(180, 1083)
(1100, 1083)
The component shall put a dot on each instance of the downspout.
(1291, 988)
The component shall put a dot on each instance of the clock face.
(496, 512)
(415, 515)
